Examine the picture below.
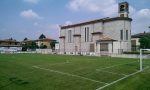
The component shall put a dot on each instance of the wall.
(3, 49)
(110, 29)
(130, 56)
(44, 51)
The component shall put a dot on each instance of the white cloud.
(108, 7)
(32, 1)
(104, 7)
(141, 21)
(30, 14)
(144, 13)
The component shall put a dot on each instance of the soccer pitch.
(61, 72)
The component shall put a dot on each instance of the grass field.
(60, 72)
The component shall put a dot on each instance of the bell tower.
(123, 9)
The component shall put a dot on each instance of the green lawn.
(61, 72)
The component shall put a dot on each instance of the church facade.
(98, 37)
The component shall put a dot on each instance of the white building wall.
(77, 30)
(110, 48)
(62, 32)
(110, 29)
(137, 41)
(98, 27)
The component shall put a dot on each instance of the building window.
(91, 47)
(127, 35)
(121, 34)
(104, 47)
(69, 36)
(87, 34)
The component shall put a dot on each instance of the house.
(135, 40)
(10, 45)
(98, 37)
(45, 42)
(42, 42)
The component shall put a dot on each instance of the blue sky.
(30, 18)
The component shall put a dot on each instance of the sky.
(31, 18)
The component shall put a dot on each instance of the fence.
(44, 51)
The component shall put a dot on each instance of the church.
(104, 36)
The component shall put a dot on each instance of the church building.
(98, 37)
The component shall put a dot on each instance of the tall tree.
(31, 45)
(145, 42)
(25, 39)
(53, 44)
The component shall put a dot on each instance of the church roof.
(96, 21)
(105, 38)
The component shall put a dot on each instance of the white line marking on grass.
(59, 63)
(67, 62)
(107, 85)
(63, 73)
(114, 66)
(111, 72)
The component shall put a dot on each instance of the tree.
(31, 45)
(53, 44)
(11, 38)
(25, 39)
(43, 46)
(145, 42)
(24, 47)
(42, 36)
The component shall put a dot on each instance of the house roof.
(95, 21)
(28, 41)
(139, 35)
(45, 39)
(8, 40)
(105, 38)
(10, 45)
